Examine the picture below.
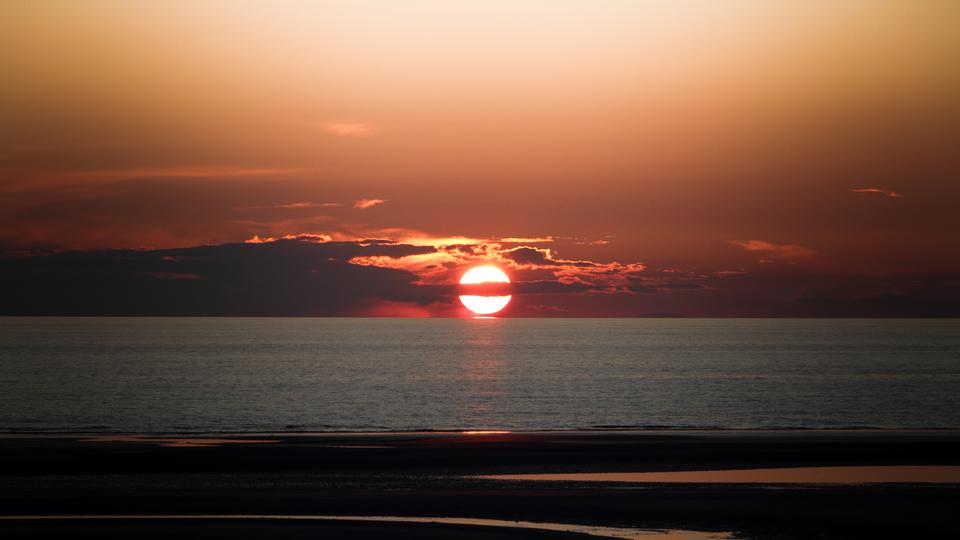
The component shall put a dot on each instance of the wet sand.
(891, 474)
(477, 525)
(435, 474)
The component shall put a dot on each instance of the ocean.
(216, 375)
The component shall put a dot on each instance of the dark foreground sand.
(433, 474)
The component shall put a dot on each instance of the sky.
(616, 158)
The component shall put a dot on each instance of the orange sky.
(703, 138)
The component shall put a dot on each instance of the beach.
(239, 485)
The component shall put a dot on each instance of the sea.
(264, 375)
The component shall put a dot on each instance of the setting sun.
(484, 304)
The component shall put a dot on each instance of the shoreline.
(435, 474)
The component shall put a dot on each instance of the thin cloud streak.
(879, 191)
(783, 251)
(526, 240)
(364, 204)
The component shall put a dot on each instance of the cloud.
(880, 191)
(526, 255)
(364, 204)
(317, 275)
(780, 251)
(284, 277)
(791, 291)
(533, 270)
(349, 129)
(543, 265)
(421, 238)
(526, 240)
(529, 256)
(613, 276)
(320, 238)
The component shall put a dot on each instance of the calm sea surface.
(236, 375)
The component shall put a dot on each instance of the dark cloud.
(286, 277)
(794, 292)
(526, 255)
(879, 296)
(302, 276)
(529, 255)
(468, 249)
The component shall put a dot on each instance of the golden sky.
(678, 134)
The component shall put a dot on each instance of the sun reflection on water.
(483, 365)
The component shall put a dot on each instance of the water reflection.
(483, 371)
(175, 442)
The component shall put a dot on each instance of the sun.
(484, 305)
